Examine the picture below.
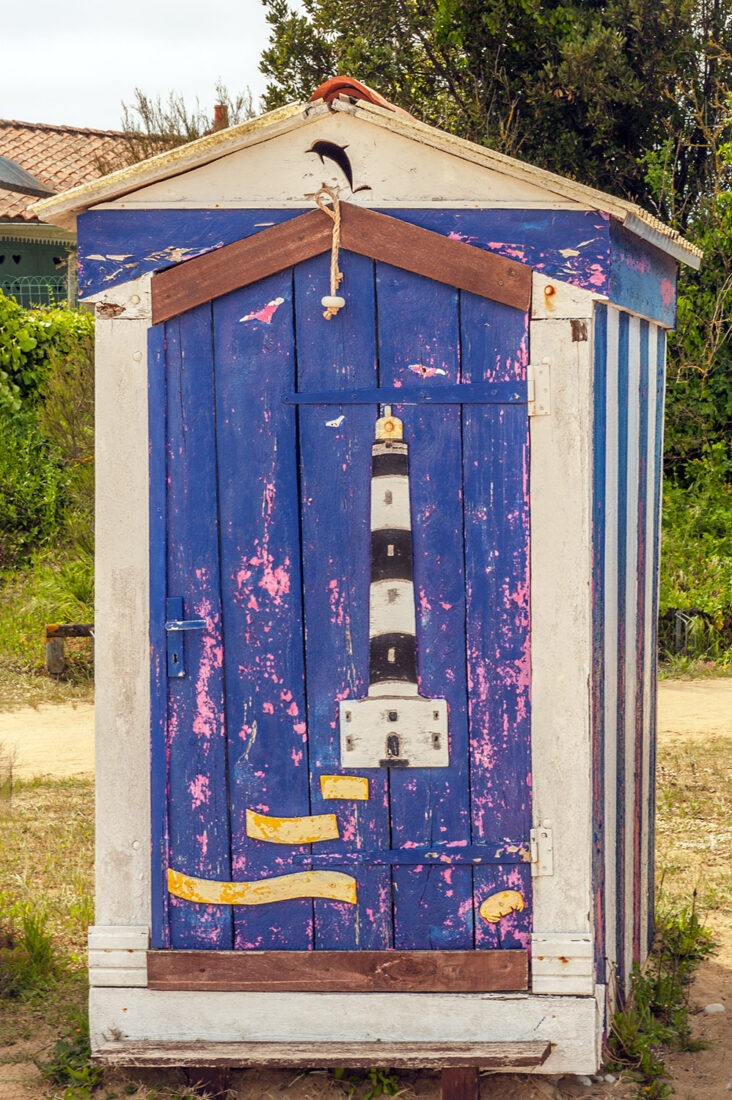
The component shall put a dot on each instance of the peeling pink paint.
(668, 292)
(199, 791)
(266, 313)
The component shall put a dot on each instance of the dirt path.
(58, 739)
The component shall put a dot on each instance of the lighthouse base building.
(375, 715)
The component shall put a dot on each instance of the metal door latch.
(175, 625)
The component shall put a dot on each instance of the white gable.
(388, 169)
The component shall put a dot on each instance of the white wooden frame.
(565, 1006)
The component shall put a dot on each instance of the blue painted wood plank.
(260, 564)
(335, 450)
(419, 345)
(115, 246)
(642, 279)
(513, 930)
(160, 932)
(621, 397)
(497, 574)
(196, 734)
(118, 245)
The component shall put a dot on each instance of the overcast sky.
(74, 62)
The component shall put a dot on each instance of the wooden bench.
(208, 1064)
(56, 635)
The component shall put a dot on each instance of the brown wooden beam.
(377, 236)
(461, 1083)
(325, 1055)
(194, 282)
(340, 971)
(423, 252)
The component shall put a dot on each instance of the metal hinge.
(538, 385)
(542, 850)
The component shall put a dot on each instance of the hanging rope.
(333, 301)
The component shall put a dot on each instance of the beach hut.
(379, 429)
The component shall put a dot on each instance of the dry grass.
(22, 688)
(694, 830)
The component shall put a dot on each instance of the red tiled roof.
(59, 156)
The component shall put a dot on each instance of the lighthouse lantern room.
(379, 426)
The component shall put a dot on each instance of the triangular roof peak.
(459, 170)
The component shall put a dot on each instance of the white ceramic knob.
(332, 301)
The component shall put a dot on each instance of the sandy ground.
(58, 740)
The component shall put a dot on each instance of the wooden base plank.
(504, 1055)
(460, 1083)
(340, 971)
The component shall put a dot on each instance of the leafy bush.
(32, 488)
(696, 570)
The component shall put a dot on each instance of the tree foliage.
(604, 91)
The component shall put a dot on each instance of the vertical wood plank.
(265, 690)
(599, 611)
(461, 1083)
(198, 818)
(622, 656)
(160, 931)
(419, 345)
(335, 449)
(496, 470)
(641, 717)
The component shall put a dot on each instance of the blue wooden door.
(260, 616)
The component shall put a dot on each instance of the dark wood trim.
(437, 1055)
(340, 971)
(194, 282)
(460, 1083)
(424, 252)
(377, 236)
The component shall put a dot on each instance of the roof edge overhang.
(63, 209)
(34, 233)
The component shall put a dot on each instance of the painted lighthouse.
(394, 726)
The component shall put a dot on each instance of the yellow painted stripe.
(302, 884)
(345, 786)
(292, 830)
(500, 905)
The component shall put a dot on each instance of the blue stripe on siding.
(660, 382)
(158, 684)
(599, 505)
(620, 830)
(640, 790)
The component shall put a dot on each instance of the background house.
(34, 258)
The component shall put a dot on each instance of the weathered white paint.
(281, 172)
(122, 611)
(649, 663)
(555, 300)
(390, 503)
(570, 1023)
(561, 496)
(562, 964)
(420, 724)
(118, 955)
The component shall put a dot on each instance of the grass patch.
(655, 1017)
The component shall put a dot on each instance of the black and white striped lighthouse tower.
(394, 726)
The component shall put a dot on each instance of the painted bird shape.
(339, 156)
